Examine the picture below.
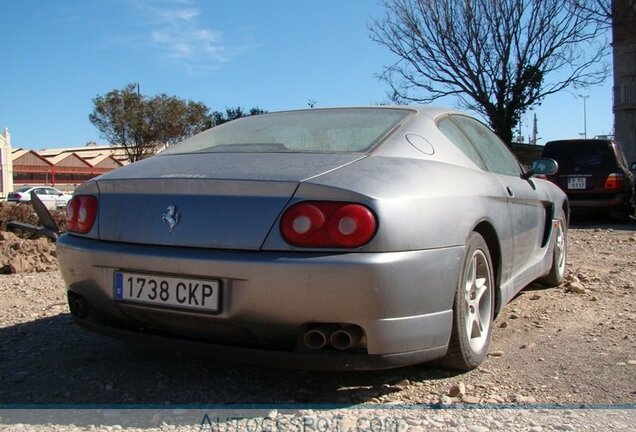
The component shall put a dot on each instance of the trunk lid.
(226, 201)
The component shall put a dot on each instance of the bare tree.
(598, 11)
(498, 57)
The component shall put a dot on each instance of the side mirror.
(633, 166)
(542, 167)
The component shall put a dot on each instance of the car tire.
(559, 255)
(473, 308)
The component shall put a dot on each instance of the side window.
(461, 141)
(495, 153)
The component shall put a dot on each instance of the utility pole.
(584, 115)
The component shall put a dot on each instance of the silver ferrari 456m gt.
(343, 238)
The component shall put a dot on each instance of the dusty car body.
(353, 238)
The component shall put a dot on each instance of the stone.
(449, 400)
(575, 287)
(457, 390)
(496, 398)
(496, 353)
(412, 421)
(523, 399)
(471, 399)
(16, 265)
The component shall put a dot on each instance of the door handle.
(510, 193)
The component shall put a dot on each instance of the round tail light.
(81, 213)
(320, 224)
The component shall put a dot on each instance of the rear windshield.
(580, 154)
(316, 130)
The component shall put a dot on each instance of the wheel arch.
(566, 210)
(487, 231)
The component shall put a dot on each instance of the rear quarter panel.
(420, 204)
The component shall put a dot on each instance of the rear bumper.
(617, 201)
(402, 301)
(319, 360)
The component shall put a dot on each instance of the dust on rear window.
(350, 130)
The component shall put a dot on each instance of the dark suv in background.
(594, 174)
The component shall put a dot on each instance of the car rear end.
(240, 254)
(248, 279)
(20, 195)
(593, 174)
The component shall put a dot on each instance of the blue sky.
(56, 56)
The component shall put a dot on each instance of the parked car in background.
(51, 197)
(350, 238)
(594, 174)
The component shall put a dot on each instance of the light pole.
(584, 115)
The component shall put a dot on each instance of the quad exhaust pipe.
(346, 338)
(338, 337)
(318, 337)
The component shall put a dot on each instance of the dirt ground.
(572, 344)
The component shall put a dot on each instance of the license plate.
(167, 291)
(576, 182)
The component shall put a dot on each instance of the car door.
(526, 211)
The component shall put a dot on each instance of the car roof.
(428, 111)
(576, 141)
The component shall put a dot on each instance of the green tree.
(142, 125)
(233, 113)
(497, 57)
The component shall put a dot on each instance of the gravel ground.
(350, 420)
(575, 344)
